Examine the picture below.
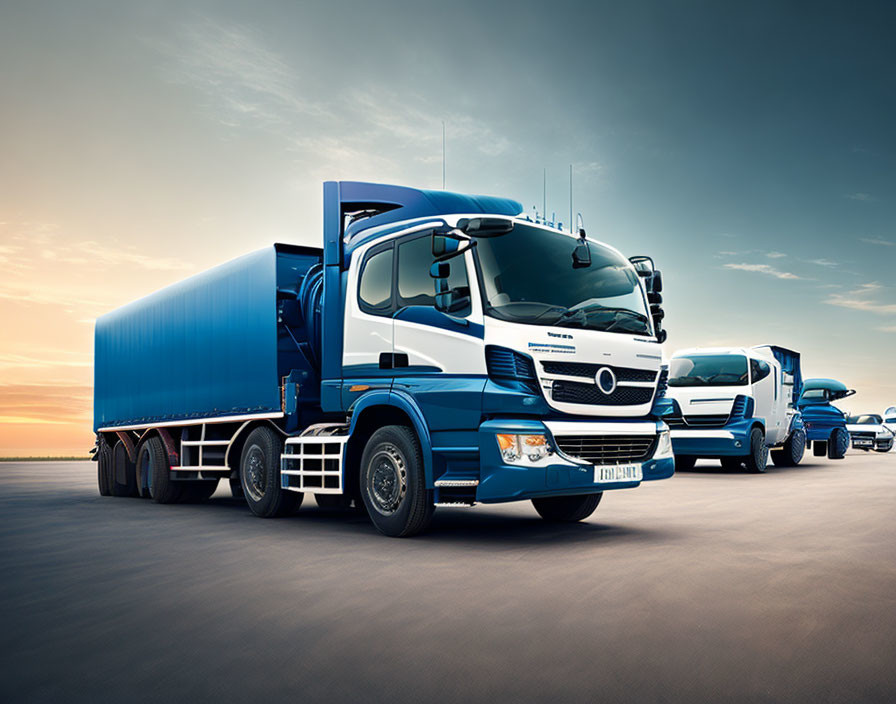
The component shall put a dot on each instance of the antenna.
(443, 155)
(544, 193)
(570, 199)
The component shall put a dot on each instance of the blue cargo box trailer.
(218, 344)
(417, 359)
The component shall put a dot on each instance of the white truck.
(736, 404)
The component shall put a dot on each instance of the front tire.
(567, 509)
(792, 452)
(838, 444)
(757, 460)
(260, 475)
(393, 483)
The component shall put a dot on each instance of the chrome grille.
(607, 449)
(573, 392)
(585, 369)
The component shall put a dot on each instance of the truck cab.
(825, 424)
(736, 404)
(527, 357)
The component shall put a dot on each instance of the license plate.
(860, 441)
(617, 473)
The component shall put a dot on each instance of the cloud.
(864, 298)
(864, 197)
(823, 262)
(775, 255)
(247, 85)
(887, 328)
(763, 269)
(878, 241)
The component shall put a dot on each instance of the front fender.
(404, 402)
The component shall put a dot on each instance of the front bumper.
(731, 441)
(557, 475)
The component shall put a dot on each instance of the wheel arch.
(381, 408)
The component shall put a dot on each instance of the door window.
(415, 286)
(759, 370)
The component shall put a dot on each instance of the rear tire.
(124, 477)
(757, 461)
(567, 509)
(260, 475)
(792, 452)
(153, 460)
(838, 444)
(393, 483)
(104, 469)
(683, 463)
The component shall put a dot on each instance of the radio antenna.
(443, 155)
(544, 193)
(570, 199)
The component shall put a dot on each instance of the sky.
(748, 147)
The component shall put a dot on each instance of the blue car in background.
(824, 423)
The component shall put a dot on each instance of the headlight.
(663, 444)
(517, 449)
(885, 432)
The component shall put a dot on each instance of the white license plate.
(617, 473)
(860, 441)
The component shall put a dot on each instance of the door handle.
(393, 360)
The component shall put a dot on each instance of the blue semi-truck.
(439, 349)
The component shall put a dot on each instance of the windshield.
(864, 420)
(708, 370)
(528, 277)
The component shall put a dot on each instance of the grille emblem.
(605, 380)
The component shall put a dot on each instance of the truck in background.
(439, 349)
(825, 424)
(736, 404)
(868, 432)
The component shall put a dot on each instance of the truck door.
(440, 357)
(367, 359)
(764, 381)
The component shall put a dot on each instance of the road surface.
(707, 587)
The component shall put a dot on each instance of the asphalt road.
(707, 587)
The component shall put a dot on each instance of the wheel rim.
(255, 474)
(387, 483)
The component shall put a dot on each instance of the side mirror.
(657, 313)
(581, 255)
(452, 302)
(440, 270)
(643, 265)
(656, 281)
(654, 298)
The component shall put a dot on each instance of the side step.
(313, 462)
(456, 492)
